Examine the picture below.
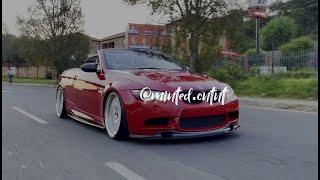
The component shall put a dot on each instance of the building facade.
(147, 36)
(140, 36)
(113, 41)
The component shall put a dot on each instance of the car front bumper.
(139, 114)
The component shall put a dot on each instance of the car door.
(67, 81)
(89, 89)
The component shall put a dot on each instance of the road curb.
(30, 84)
(288, 104)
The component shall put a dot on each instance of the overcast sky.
(102, 17)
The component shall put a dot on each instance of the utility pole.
(257, 10)
(272, 62)
(257, 37)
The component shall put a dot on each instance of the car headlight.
(230, 94)
(147, 95)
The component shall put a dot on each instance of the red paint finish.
(85, 92)
(138, 112)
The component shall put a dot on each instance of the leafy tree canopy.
(194, 17)
(278, 31)
(303, 12)
(11, 46)
(57, 24)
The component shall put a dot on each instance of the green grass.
(277, 87)
(30, 80)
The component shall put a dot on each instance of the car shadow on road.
(212, 139)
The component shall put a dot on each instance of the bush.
(207, 56)
(299, 44)
(230, 74)
(278, 31)
(48, 75)
(253, 52)
(296, 54)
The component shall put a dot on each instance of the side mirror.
(186, 68)
(89, 67)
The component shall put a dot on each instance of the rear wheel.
(114, 117)
(60, 105)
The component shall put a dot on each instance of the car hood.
(164, 80)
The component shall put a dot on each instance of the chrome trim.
(78, 113)
(236, 127)
(180, 135)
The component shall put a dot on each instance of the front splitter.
(185, 135)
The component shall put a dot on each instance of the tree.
(240, 33)
(303, 12)
(5, 28)
(10, 48)
(194, 16)
(252, 52)
(78, 46)
(54, 22)
(32, 53)
(278, 31)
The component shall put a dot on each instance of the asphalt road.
(37, 145)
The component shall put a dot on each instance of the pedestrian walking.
(10, 74)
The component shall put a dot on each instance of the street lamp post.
(272, 62)
(257, 37)
(257, 10)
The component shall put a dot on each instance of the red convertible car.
(106, 92)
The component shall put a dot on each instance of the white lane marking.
(287, 110)
(30, 115)
(41, 164)
(125, 172)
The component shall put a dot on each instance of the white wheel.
(114, 118)
(60, 103)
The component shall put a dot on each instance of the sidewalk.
(291, 104)
(30, 84)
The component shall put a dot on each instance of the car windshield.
(138, 59)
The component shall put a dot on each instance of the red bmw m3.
(107, 91)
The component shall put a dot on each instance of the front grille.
(157, 122)
(194, 94)
(201, 122)
(233, 115)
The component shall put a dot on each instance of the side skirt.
(85, 121)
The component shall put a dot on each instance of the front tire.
(60, 104)
(114, 117)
